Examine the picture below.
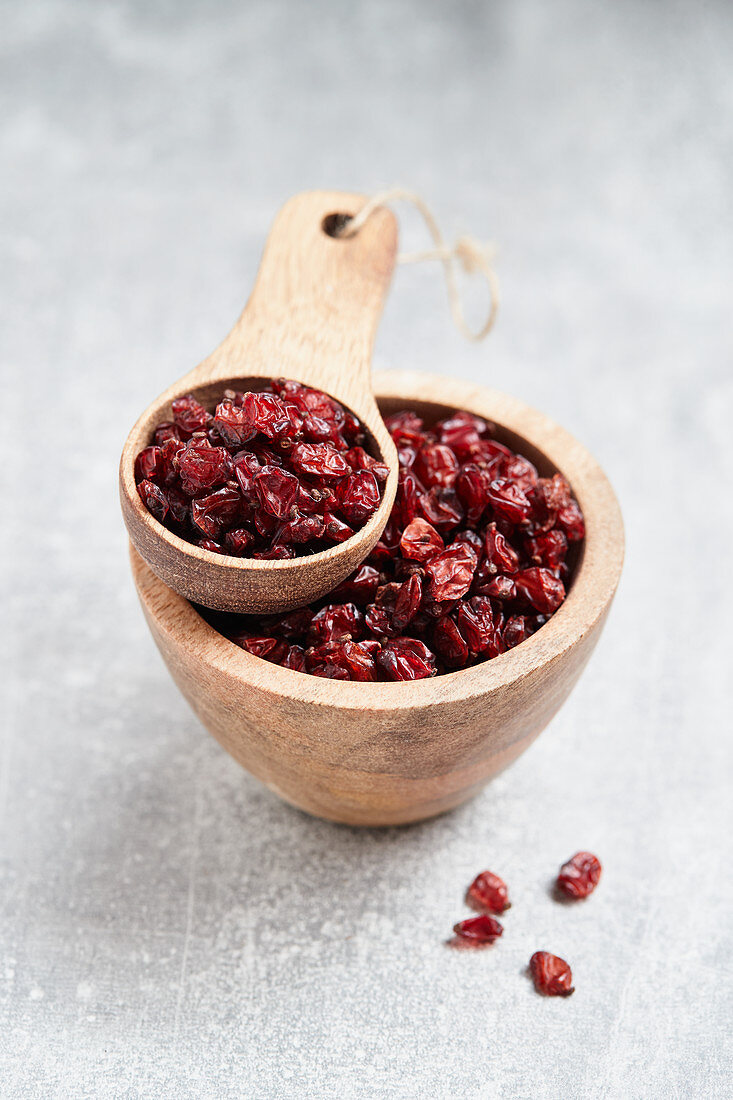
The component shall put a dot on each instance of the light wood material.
(312, 317)
(384, 754)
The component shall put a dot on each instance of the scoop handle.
(316, 303)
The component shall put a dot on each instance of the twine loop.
(473, 256)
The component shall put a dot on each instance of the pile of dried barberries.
(488, 893)
(271, 474)
(473, 560)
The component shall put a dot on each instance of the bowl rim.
(588, 599)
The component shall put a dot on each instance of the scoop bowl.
(312, 317)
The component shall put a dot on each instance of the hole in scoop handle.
(316, 304)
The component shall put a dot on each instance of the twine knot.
(473, 256)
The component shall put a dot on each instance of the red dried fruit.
(442, 508)
(234, 424)
(202, 467)
(381, 555)
(361, 586)
(164, 432)
(266, 526)
(379, 614)
(238, 541)
(180, 507)
(570, 521)
(500, 556)
(271, 649)
(294, 659)
(154, 499)
(300, 529)
(406, 659)
(462, 433)
(212, 514)
(189, 416)
(436, 464)
(335, 530)
(320, 460)
(449, 643)
(540, 588)
(275, 553)
(516, 631)
(489, 892)
(548, 549)
(310, 501)
(358, 496)
(276, 490)
(470, 538)
(168, 472)
(294, 624)
(146, 464)
(424, 608)
(450, 573)
(335, 621)
(331, 659)
(257, 441)
(405, 427)
(311, 402)
(475, 621)
(472, 487)
(406, 501)
(501, 588)
(246, 469)
(478, 930)
(420, 541)
(407, 603)
(551, 975)
(210, 544)
(580, 875)
(271, 416)
(520, 471)
(358, 459)
(509, 501)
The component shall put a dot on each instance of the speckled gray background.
(168, 927)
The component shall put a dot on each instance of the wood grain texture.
(312, 317)
(385, 754)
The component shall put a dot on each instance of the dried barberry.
(296, 456)
(551, 975)
(509, 501)
(580, 875)
(233, 423)
(541, 588)
(406, 659)
(358, 496)
(336, 621)
(276, 490)
(489, 892)
(201, 466)
(450, 573)
(154, 499)
(214, 513)
(420, 541)
(320, 460)
(189, 416)
(449, 643)
(478, 930)
(146, 464)
(467, 567)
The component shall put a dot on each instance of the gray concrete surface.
(168, 927)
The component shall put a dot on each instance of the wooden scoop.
(312, 317)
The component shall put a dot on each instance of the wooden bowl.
(387, 754)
